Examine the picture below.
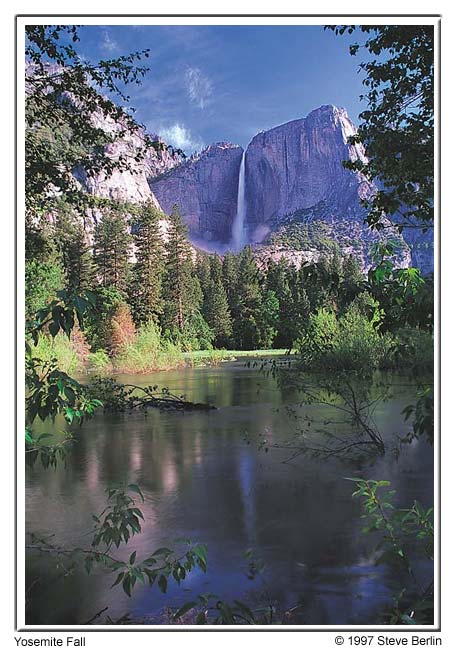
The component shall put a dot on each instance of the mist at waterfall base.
(239, 230)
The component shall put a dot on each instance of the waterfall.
(238, 234)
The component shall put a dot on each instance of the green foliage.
(100, 362)
(196, 334)
(320, 338)
(255, 325)
(404, 295)
(70, 237)
(60, 350)
(60, 314)
(397, 127)
(50, 391)
(182, 293)
(423, 415)
(230, 274)
(268, 319)
(210, 609)
(120, 520)
(111, 250)
(60, 139)
(148, 351)
(404, 533)
(301, 235)
(215, 308)
(414, 350)
(116, 525)
(146, 290)
(43, 279)
(98, 321)
(321, 281)
(350, 342)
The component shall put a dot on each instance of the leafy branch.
(116, 525)
(404, 532)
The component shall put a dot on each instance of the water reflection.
(202, 480)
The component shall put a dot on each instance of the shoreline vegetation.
(140, 358)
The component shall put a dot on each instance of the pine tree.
(277, 280)
(77, 258)
(202, 264)
(230, 272)
(247, 325)
(181, 290)
(352, 283)
(111, 250)
(300, 307)
(215, 305)
(148, 271)
(78, 261)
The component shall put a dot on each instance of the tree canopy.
(397, 126)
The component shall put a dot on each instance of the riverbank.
(193, 359)
(214, 357)
(145, 356)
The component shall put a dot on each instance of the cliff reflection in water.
(202, 481)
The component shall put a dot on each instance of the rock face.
(300, 202)
(298, 165)
(205, 190)
(127, 185)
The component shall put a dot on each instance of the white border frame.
(102, 19)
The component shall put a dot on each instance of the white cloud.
(180, 137)
(198, 86)
(108, 43)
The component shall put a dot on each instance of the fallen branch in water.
(121, 397)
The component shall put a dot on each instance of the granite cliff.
(298, 165)
(300, 202)
(205, 189)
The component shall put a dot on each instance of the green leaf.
(118, 579)
(184, 609)
(135, 488)
(127, 584)
(132, 557)
(201, 551)
(54, 328)
(162, 551)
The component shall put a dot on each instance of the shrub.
(42, 281)
(97, 326)
(414, 349)
(196, 335)
(320, 337)
(351, 342)
(80, 344)
(100, 362)
(59, 348)
(148, 352)
(122, 329)
(359, 345)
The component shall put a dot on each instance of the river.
(202, 480)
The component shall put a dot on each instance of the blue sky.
(226, 83)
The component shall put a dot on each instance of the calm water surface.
(201, 480)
